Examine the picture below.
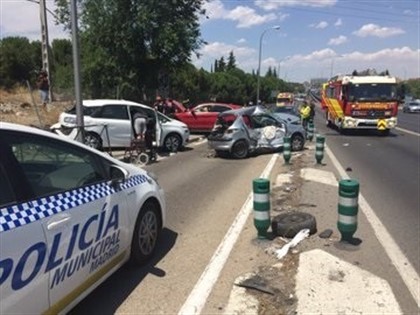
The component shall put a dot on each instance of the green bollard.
(311, 128)
(319, 148)
(262, 220)
(348, 192)
(286, 150)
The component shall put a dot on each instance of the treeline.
(20, 61)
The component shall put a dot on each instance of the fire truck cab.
(361, 102)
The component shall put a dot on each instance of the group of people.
(144, 126)
(165, 106)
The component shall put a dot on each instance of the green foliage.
(129, 44)
(18, 61)
(412, 87)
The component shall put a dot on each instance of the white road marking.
(320, 176)
(326, 284)
(408, 131)
(202, 289)
(401, 263)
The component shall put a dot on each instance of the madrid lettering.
(95, 241)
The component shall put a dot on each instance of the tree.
(133, 43)
(231, 62)
(18, 61)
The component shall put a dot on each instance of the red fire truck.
(361, 102)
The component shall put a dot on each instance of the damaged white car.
(242, 131)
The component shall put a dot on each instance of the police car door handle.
(55, 223)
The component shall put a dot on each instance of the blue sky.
(316, 38)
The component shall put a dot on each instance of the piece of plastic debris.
(326, 233)
(256, 283)
(280, 253)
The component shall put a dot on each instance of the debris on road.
(280, 253)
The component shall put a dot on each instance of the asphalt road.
(204, 195)
(388, 169)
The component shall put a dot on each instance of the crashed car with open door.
(241, 131)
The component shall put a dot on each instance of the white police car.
(70, 216)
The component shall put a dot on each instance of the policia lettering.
(95, 250)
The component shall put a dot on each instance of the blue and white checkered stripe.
(28, 212)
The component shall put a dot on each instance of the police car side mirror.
(118, 174)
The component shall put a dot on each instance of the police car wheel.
(146, 233)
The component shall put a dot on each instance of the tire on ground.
(291, 223)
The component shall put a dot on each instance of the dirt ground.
(22, 107)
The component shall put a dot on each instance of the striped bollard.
(286, 149)
(319, 148)
(311, 128)
(262, 221)
(348, 192)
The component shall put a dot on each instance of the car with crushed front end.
(239, 132)
(70, 216)
(107, 124)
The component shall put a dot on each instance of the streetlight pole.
(45, 45)
(259, 59)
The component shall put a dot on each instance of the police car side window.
(7, 195)
(53, 166)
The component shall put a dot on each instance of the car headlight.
(70, 120)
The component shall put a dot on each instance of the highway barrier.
(319, 148)
(262, 220)
(348, 192)
(286, 150)
(310, 131)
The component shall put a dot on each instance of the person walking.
(43, 86)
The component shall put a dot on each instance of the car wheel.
(172, 143)
(297, 142)
(240, 149)
(291, 223)
(93, 140)
(146, 233)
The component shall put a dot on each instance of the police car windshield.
(372, 92)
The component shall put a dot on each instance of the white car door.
(23, 247)
(118, 125)
(86, 225)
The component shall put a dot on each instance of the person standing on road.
(305, 111)
(159, 104)
(312, 113)
(43, 86)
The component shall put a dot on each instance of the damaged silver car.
(242, 131)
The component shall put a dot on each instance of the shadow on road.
(114, 291)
